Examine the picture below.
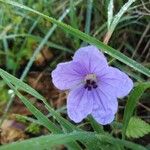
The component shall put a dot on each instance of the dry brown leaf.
(12, 131)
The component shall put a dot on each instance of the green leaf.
(33, 128)
(134, 97)
(107, 49)
(92, 142)
(46, 142)
(137, 128)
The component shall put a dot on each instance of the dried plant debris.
(12, 131)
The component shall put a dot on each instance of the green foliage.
(137, 128)
(131, 103)
(4, 92)
(26, 88)
(20, 119)
(97, 127)
(110, 13)
(89, 140)
(109, 50)
(117, 17)
(33, 128)
(31, 28)
(9, 79)
(46, 142)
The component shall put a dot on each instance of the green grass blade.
(44, 142)
(88, 20)
(40, 116)
(107, 49)
(110, 13)
(134, 97)
(120, 14)
(40, 46)
(39, 39)
(26, 88)
(95, 125)
(5, 43)
(72, 14)
(20, 85)
(88, 16)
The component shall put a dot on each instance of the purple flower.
(94, 86)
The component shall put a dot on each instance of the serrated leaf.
(134, 97)
(137, 128)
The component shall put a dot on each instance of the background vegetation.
(35, 37)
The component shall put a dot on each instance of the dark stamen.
(95, 86)
(86, 86)
(89, 84)
(93, 83)
(89, 88)
(88, 81)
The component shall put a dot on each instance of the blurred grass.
(22, 22)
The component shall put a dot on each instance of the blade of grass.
(38, 49)
(41, 118)
(116, 20)
(36, 52)
(39, 39)
(72, 15)
(21, 117)
(5, 43)
(88, 16)
(107, 49)
(117, 17)
(97, 127)
(110, 13)
(26, 88)
(45, 39)
(88, 19)
(134, 97)
(44, 142)
(74, 20)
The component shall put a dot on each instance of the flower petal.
(105, 105)
(67, 75)
(79, 104)
(118, 81)
(103, 119)
(91, 59)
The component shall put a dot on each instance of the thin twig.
(141, 39)
(147, 108)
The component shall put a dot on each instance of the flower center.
(90, 82)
